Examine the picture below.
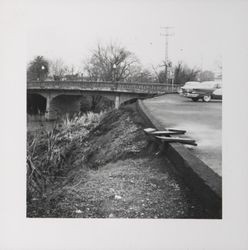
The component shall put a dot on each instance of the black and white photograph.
(125, 114)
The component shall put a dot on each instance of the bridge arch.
(70, 103)
(95, 102)
(62, 104)
(36, 104)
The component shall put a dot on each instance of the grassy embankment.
(103, 166)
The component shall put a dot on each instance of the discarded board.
(177, 139)
(153, 130)
(149, 130)
(177, 130)
(167, 132)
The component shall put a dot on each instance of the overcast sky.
(71, 29)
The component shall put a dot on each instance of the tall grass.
(48, 151)
(86, 119)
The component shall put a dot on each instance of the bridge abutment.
(48, 103)
(117, 101)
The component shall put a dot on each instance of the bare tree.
(184, 74)
(206, 75)
(58, 69)
(162, 72)
(141, 75)
(109, 63)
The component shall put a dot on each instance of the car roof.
(191, 83)
(210, 84)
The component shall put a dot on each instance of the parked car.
(202, 90)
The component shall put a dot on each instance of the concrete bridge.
(60, 97)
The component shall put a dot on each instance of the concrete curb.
(202, 180)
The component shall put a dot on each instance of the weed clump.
(48, 152)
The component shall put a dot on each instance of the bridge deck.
(122, 87)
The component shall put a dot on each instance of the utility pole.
(166, 34)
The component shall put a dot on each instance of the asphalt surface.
(202, 121)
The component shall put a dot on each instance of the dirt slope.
(116, 173)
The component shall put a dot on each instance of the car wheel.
(206, 98)
(195, 99)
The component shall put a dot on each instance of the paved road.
(203, 122)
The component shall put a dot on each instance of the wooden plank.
(177, 130)
(177, 139)
(167, 132)
(149, 130)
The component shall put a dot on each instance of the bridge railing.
(152, 88)
(149, 87)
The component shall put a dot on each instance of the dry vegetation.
(48, 151)
(103, 166)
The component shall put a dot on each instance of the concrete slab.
(203, 122)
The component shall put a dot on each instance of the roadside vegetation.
(48, 151)
(103, 166)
